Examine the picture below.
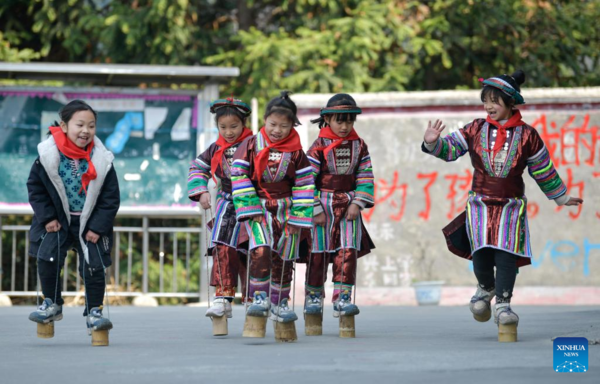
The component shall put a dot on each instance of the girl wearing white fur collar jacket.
(74, 192)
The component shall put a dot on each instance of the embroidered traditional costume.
(275, 181)
(228, 243)
(493, 231)
(344, 176)
(496, 211)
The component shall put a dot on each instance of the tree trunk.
(244, 15)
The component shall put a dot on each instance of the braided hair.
(283, 105)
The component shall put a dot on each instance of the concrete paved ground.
(393, 345)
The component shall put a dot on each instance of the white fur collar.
(102, 160)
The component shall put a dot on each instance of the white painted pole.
(254, 117)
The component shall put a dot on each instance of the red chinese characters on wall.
(573, 149)
(431, 177)
(570, 145)
(390, 195)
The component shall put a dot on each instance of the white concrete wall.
(417, 194)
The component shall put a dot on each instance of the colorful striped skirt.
(224, 227)
(339, 233)
(272, 230)
(500, 223)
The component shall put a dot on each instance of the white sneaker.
(220, 307)
(283, 313)
(313, 304)
(260, 305)
(480, 304)
(343, 306)
(503, 314)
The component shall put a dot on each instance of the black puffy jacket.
(48, 199)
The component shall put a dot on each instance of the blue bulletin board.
(152, 136)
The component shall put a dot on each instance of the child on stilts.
(74, 192)
(227, 234)
(344, 180)
(273, 192)
(493, 230)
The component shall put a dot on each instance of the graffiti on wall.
(570, 147)
(413, 191)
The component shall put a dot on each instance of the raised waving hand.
(433, 132)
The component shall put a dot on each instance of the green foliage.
(319, 45)
(143, 31)
(10, 54)
(386, 45)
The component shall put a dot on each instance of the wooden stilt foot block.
(219, 326)
(285, 332)
(313, 325)
(347, 329)
(100, 338)
(45, 331)
(507, 333)
(255, 326)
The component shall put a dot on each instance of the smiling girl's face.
(496, 108)
(230, 127)
(278, 127)
(81, 128)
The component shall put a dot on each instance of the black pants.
(484, 261)
(49, 272)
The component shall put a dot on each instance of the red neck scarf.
(289, 144)
(327, 133)
(223, 145)
(69, 149)
(514, 121)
